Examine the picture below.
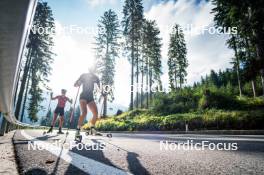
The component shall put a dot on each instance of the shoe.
(60, 132)
(50, 130)
(94, 132)
(77, 133)
(78, 136)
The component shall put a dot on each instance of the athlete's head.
(63, 91)
(91, 69)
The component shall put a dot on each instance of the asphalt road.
(138, 154)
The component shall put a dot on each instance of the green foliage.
(176, 102)
(208, 119)
(218, 100)
(251, 103)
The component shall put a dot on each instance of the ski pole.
(72, 112)
(50, 101)
(74, 104)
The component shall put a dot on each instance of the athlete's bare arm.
(78, 82)
(53, 98)
(69, 100)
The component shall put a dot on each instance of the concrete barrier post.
(3, 125)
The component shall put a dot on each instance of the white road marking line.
(87, 165)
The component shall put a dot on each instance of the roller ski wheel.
(87, 133)
(109, 135)
(60, 132)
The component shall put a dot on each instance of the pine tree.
(40, 57)
(132, 24)
(233, 43)
(106, 52)
(151, 56)
(177, 61)
(247, 17)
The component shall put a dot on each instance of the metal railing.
(15, 19)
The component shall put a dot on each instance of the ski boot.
(60, 131)
(78, 136)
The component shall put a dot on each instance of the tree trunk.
(25, 99)
(142, 81)
(105, 95)
(150, 86)
(252, 81)
(147, 83)
(132, 77)
(137, 73)
(181, 82)
(253, 88)
(175, 79)
(260, 46)
(262, 80)
(237, 69)
(23, 84)
(105, 106)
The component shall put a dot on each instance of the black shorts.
(59, 111)
(87, 96)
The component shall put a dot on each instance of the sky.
(75, 49)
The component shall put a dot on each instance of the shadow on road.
(96, 155)
(46, 137)
(36, 171)
(133, 162)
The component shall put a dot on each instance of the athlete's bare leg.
(61, 121)
(92, 106)
(53, 122)
(83, 106)
(54, 119)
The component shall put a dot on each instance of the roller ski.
(49, 131)
(78, 136)
(92, 131)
